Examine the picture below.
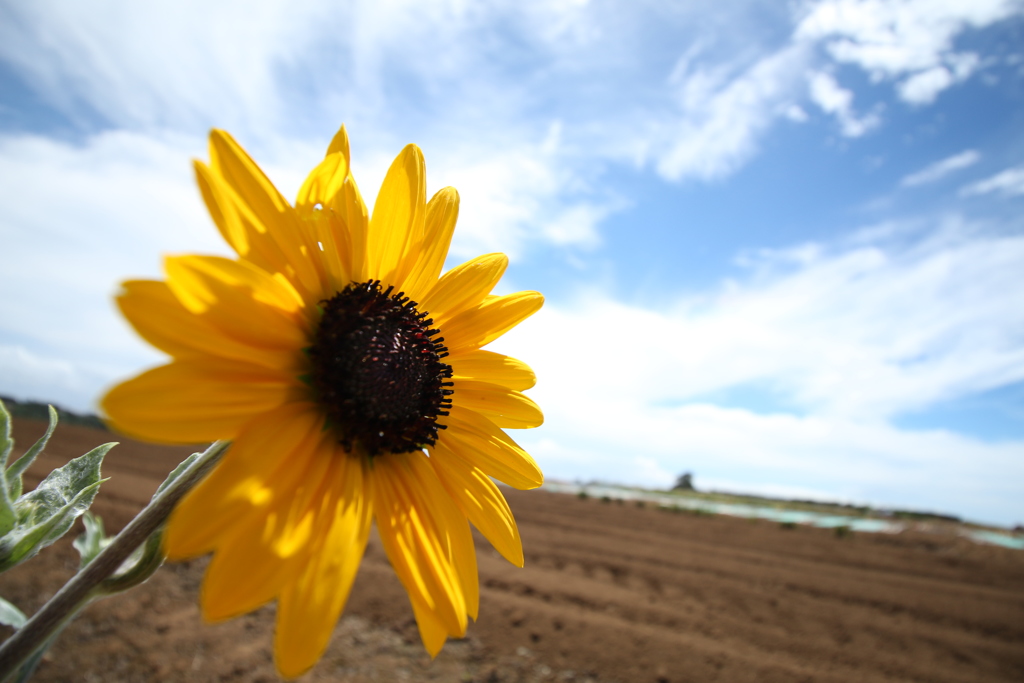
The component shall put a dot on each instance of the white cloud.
(924, 86)
(1008, 183)
(910, 40)
(863, 332)
(846, 337)
(832, 99)
(940, 169)
(723, 115)
(525, 193)
(725, 108)
(446, 72)
(183, 64)
(281, 79)
(74, 221)
(795, 113)
(269, 68)
(29, 376)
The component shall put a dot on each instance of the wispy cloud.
(826, 93)
(910, 42)
(942, 168)
(500, 73)
(164, 64)
(924, 86)
(723, 114)
(1008, 183)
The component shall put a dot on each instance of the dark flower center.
(377, 370)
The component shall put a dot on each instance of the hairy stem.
(77, 592)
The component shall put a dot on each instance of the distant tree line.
(33, 410)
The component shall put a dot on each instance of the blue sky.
(781, 243)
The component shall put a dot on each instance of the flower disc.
(378, 373)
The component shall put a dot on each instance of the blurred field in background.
(610, 592)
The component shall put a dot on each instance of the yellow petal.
(432, 631)
(339, 144)
(326, 180)
(242, 229)
(265, 455)
(442, 212)
(322, 183)
(396, 224)
(222, 210)
(479, 442)
(239, 299)
(232, 163)
(158, 316)
(242, 576)
(506, 408)
(414, 529)
(460, 539)
(311, 604)
(191, 401)
(268, 206)
(258, 554)
(487, 366)
(480, 500)
(348, 205)
(196, 272)
(347, 216)
(484, 323)
(464, 286)
(454, 522)
(335, 247)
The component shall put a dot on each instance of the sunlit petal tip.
(493, 317)
(340, 144)
(396, 225)
(432, 631)
(464, 286)
(219, 136)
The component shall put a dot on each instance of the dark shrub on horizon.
(33, 410)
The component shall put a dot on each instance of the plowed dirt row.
(610, 592)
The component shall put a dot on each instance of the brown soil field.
(610, 592)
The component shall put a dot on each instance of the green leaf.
(93, 540)
(15, 471)
(139, 566)
(11, 615)
(176, 472)
(44, 515)
(7, 513)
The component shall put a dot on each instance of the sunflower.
(349, 376)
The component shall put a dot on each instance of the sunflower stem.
(85, 585)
